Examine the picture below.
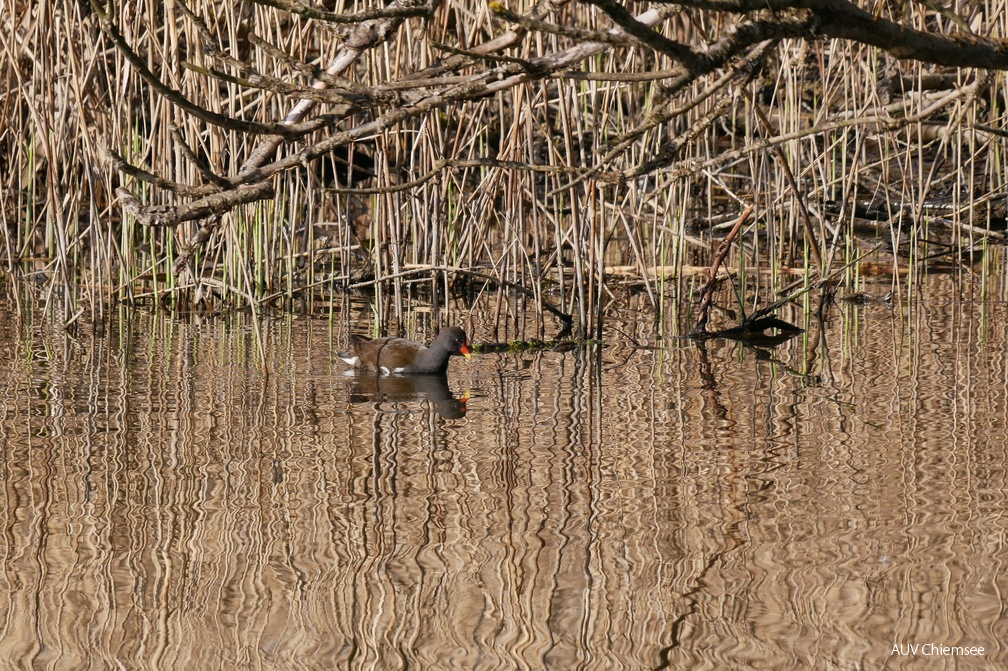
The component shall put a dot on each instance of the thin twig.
(707, 291)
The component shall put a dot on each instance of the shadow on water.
(378, 389)
(164, 504)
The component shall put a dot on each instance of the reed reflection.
(696, 505)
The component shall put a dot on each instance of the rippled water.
(167, 504)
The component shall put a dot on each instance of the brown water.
(165, 505)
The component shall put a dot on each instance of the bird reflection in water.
(376, 388)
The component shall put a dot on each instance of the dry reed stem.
(479, 176)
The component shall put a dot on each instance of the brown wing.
(387, 353)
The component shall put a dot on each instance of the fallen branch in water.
(707, 292)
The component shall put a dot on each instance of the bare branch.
(357, 17)
(840, 19)
(180, 101)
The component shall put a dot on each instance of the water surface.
(170, 502)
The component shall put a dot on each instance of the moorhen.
(405, 357)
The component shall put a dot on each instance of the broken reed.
(850, 126)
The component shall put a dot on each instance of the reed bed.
(558, 195)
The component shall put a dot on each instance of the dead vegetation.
(213, 155)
